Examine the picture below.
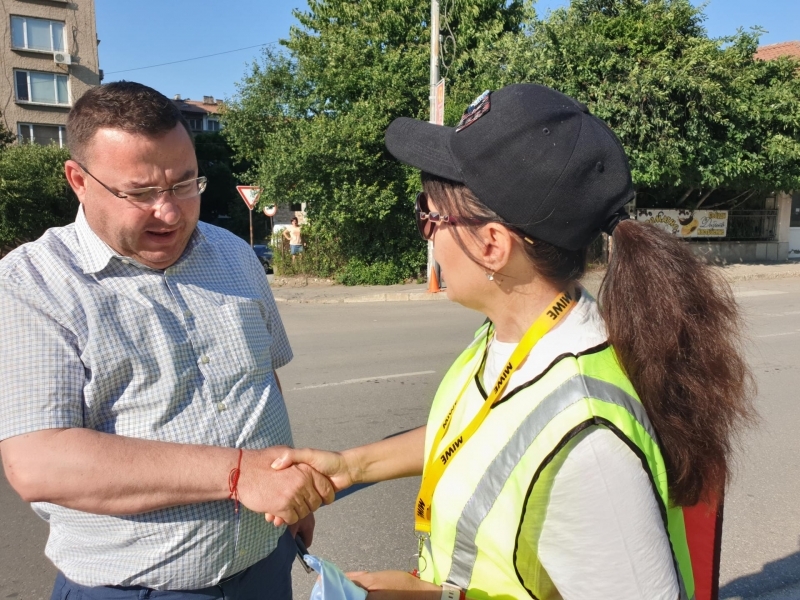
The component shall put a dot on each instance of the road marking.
(361, 380)
(754, 293)
(790, 313)
(770, 335)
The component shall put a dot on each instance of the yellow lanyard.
(438, 461)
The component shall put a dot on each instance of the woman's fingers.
(356, 576)
(393, 584)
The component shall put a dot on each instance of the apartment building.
(48, 59)
(202, 115)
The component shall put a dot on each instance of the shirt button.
(125, 261)
(187, 314)
(204, 359)
(221, 407)
(242, 552)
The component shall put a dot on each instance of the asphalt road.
(365, 371)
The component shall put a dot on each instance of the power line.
(188, 59)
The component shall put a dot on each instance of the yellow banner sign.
(687, 223)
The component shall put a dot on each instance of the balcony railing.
(753, 225)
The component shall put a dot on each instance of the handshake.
(287, 485)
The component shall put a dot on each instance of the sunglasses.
(427, 220)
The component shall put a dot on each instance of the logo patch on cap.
(479, 107)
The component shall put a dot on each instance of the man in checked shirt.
(138, 360)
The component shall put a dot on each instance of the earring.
(490, 276)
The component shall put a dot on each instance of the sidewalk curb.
(384, 297)
(422, 296)
(735, 278)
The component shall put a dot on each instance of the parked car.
(264, 254)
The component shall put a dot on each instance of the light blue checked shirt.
(89, 338)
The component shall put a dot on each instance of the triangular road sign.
(249, 194)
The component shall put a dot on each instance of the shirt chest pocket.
(246, 337)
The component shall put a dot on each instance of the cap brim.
(424, 146)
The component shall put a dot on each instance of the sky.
(152, 32)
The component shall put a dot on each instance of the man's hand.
(289, 494)
(333, 465)
(109, 474)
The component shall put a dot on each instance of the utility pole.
(434, 57)
(433, 268)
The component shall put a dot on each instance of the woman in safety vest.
(564, 441)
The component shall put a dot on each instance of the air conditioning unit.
(62, 58)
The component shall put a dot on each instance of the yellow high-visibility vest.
(491, 486)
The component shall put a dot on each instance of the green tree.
(311, 120)
(6, 137)
(701, 120)
(221, 204)
(34, 194)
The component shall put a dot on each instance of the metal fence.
(753, 225)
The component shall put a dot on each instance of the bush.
(319, 257)
(358, 272)
(34, 194)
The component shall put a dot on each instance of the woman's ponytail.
(675, 327)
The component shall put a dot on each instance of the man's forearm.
(111, 474)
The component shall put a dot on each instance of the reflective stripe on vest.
(478, 506)
(576, 389)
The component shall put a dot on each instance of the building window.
(213, 125)
(41, 134)
(41, 88)
(195, 124)
(37, 34)
(794, 219)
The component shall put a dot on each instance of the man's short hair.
(124, 105)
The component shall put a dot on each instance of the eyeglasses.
(148, 196)
(427, 221)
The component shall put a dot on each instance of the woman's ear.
(497, 242)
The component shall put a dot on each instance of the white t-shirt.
(603, 535)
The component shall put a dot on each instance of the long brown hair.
(675, 327)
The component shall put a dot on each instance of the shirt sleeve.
(40, 367)
(281, 350)
(602, 535)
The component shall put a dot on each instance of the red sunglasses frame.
(427, 220)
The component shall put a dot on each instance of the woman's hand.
(395, 585)
(399, 455)
(333, 465)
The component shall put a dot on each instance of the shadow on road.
(774, 576)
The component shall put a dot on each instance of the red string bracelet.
(233, 483)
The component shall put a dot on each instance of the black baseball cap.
(531, 154)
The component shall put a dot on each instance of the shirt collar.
(96, 254)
